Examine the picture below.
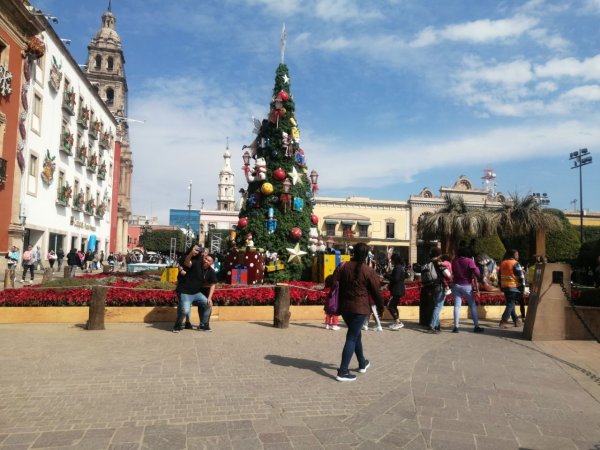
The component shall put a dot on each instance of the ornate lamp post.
(580, 158)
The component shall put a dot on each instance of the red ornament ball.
(279, 174)
(314, 219)
(284, 96)
(242, 223)
(296, 233)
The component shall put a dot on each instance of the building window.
(390, 230)
(347, 230)
(36, 110)
(38, 70)
(330, 229)
(110, 64)
(110, 96)
(32, 175)
(98, 61)
(363, 231)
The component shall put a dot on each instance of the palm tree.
(523, 216)
(452, 222)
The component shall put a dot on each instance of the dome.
(107, 34)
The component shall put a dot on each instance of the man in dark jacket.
(73, 261)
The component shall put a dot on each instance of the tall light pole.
(188, 235)
(580, 158)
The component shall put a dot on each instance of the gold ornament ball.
(266, 188)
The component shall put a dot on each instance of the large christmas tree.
(277, 215)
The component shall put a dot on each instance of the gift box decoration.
(326, 265)
(252, 261)
(239, 276)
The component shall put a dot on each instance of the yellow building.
(381, 224)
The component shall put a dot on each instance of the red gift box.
(239, 276)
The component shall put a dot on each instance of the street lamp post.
(188, 235)
(580, 158)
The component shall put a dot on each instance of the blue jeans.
(185, 305)
(438, 303)
(353, 343)
(458, 291)
(511, 295)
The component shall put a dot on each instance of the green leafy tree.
(562, 244)
(278, 164)
(160, 241)
(491, 246)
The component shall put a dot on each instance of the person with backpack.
(431, 282)
(464, 270)
(436, 276)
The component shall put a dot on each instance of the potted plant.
(67, 142)
(102, 171)
(64, 194)
(92, 163)
(90, 207)
(78, 200)
(84, 117)
(69, 101)
(81, 154)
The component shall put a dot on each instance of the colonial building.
(19, 46)
(384, 225)
(65, 154)
(106, 71)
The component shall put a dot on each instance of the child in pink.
(331, 320)
(445, 261)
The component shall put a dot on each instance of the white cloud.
(405, 160)
(586, 69)
(583, 94)
(476, 32)
(326, 10)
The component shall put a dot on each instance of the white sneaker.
(379, 328)
(327, 327)
(365, 327)
(335, 327)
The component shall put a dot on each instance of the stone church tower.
(225, 197)
(106, 71)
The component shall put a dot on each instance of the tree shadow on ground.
(317, 367)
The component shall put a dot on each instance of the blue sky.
(391, 95)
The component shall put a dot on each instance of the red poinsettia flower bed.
(122, 292)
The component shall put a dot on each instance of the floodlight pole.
(580, 158)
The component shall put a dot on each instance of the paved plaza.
(252, 386)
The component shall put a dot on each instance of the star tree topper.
(295, 253)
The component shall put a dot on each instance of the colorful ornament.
(295, 176)
(293, 122)
(295, 134)
(314, 219)
(242, 223)
(283, 96)
(298, 204)
(295, 233)
(295, 253)
(279, 174)
(299, 157)
(266, 188)
(271, 222)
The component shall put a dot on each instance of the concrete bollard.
(97, 307)
(9, 278)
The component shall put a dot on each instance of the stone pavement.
(251, 386)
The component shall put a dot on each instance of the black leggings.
(393, 306)
(25, 269)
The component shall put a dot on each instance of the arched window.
(110, 96)
(110, 64)
(98, 61)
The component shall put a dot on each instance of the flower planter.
(65, 150)
(153, 314)
(62, 202)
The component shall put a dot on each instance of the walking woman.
(356, 282)
(397, 290)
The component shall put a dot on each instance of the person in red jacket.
(356, 282)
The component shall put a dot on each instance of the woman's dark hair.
(435, 252)
(397, 259)
(464, 251)
(360, 255)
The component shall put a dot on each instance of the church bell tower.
(106, 71)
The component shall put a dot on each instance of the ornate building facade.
(106, 71)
